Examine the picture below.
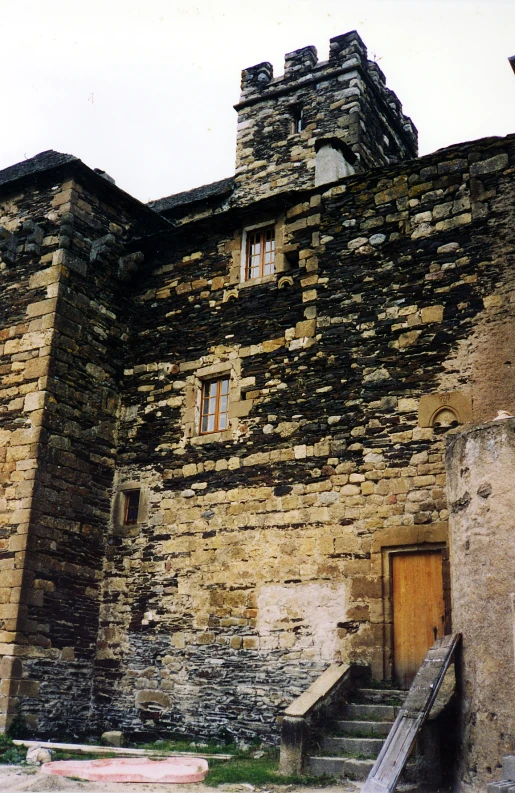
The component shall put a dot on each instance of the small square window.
(131, 507)
(260, 254)
(214, 411)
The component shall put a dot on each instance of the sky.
(144, 89)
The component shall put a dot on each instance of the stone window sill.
(264, 279)
(211, 437)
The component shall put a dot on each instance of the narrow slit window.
(260, 252)
(130, 515)
(297, 120)
(215, 405)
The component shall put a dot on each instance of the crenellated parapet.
(256, 77)
(281, 118)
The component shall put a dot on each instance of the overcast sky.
(144, 89)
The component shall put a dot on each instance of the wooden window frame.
(127, 507)
(261, 233)
(208, 400)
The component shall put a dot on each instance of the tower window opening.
(297, 120)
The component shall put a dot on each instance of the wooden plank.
(396, 749)
(78, 748)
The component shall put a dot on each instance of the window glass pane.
(225, 386)
(222, 424)
(210, 424)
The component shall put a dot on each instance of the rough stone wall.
(27, 300)
(481, 468)
(77, 457)
(264, 554)
(345, 97)
(65, 324)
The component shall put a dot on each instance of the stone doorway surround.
(400, 539)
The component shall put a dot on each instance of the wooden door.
(418, 610)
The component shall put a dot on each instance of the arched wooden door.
(418, 609)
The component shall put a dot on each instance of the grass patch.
(9, 753)
(61, 754)
(169, 746)
(257, 772)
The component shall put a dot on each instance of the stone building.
(223, 414)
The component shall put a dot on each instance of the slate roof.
(221, 188)
(44, 161)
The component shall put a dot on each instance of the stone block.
(431, 405)
(432, 314)
(508, 767)
(112, 738)
(385, 196)
(11, 668)
(29, 688)
(407, 404)
(454, 222)
(492, 164)
(41, 308)
(146, 697)
(305, 328)
(34, 401)
(240, 408)
(272, 344)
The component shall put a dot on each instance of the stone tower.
(318, 122)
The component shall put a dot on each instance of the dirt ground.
(28, 779)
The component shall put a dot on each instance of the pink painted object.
(131, 769)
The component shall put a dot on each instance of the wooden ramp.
(387, 768)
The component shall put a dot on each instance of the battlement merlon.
(347, 52)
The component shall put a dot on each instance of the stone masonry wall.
(28, 225)
(481, 467)
(66, 358)
(262, 555)
(345, 97)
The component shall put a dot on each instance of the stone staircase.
(507, 783)
(349, 746)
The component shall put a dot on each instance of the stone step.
(508, 768)
(360, 728)
(504, 786)
(358, 770)
(355, 711)
(379, 696)
(338, 766)
(357, 747)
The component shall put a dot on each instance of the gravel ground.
(28, 779)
